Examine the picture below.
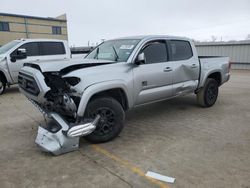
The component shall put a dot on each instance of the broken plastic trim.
(84, 129)
(64, 140)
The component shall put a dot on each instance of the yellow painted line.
(131, 167)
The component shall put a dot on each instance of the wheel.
(111, 122)
(207, 96)
(2, 85)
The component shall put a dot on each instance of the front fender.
(5, 71)
(99, 87)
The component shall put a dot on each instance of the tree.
(214, 38)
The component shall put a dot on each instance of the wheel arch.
(116, 93)
(216, 76)
(2, 75)
(116, 90)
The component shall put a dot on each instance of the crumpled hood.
(63, 65)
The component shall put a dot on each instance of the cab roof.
(148, 37)
(38, 40)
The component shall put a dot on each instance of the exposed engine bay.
(62, 98)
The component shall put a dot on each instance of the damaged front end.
(62, 97)
(58, 100)
(57, 136)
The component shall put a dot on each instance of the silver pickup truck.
(89, 97)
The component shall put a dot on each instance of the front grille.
(28, 83)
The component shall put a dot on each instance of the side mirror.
(20, 54)
(140, 59)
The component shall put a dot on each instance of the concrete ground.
(199, 147)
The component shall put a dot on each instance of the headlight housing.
(73, 81)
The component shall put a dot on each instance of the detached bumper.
(55, 143)
(59, 137)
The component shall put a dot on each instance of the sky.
(94, 20)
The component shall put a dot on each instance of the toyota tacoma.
(89, 97)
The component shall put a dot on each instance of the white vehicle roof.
(41, 40)
(146, 37)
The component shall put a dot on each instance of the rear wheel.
(111, 122)
(2, 85)
(207, 96)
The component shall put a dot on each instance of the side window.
(52, 48)
(179, 50)
(31, 49)
(155, 52)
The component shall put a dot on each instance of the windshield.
(114, 50)
(5, 48)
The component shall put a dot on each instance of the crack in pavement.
(108, 170)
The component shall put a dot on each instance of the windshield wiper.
(116, 54)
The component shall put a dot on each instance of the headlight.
(72, 80)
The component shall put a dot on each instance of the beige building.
(13, 26)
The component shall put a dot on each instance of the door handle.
(167, 69)
(194, 66)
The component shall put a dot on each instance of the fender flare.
(97, 88)
(4, 69)
(206, 75)
(5, 75)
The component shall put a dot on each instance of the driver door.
(32, 51)
(153, 80)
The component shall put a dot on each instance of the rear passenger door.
(153, 80)
(52, 51)
(185, 66)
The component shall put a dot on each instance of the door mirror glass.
(20, 54)
(140, 59)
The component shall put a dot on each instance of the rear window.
(179, 50)
(52, 48)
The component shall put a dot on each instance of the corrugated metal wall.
(239, 52)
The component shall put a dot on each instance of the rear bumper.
(228, 77)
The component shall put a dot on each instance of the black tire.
(208, 95)
(111, 122)
(2, 85)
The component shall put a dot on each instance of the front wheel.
(207, 96)
(2, 85)
(111, 122)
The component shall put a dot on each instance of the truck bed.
(210, 64)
